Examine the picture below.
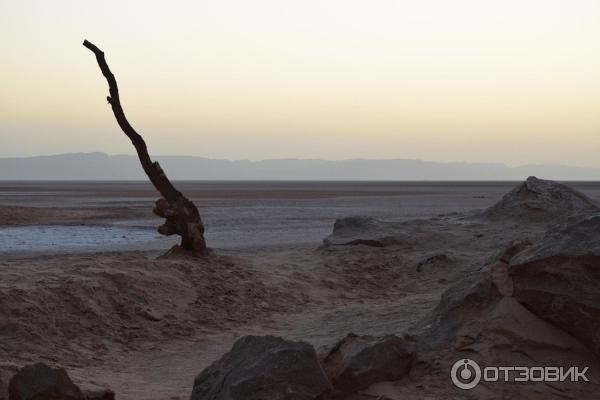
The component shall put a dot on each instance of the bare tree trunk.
(182, 216)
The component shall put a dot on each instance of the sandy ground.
(145, 327)
(19, 216)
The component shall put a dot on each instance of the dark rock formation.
(263, 368)
(462, 304)
(538, 200)
(434, 262)
(7, 371)
(558, 279)
(357, 362)
(99, 394)
(3, 389)
(578, 236)
(375, 233)
(480, 319)
(352, 225)
(40, 382)
(533, 304)
(358, 230)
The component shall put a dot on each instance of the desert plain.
(505, 273)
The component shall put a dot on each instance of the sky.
(513, 81)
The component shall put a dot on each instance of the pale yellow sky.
(515, 81)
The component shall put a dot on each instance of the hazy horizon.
(101, 166)
(159, 155)
(515, 82)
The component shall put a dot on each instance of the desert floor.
(81, 285)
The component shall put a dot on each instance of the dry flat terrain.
(146, 326)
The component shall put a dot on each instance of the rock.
(514, 248)
(371, 232)
(435, 262)
(532, 304)
(3, 389)
(357, 362)
(352, 225)
(538, 200)
(150, 314)
(263, 368)
(499, 266)
(359, 230)
(577, 236)
(462, 304)
(523, 329)
(558, 279)
(502, 280)
(475, 321)
(7, 371)
(40, 382)
(99, 395)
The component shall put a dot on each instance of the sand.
(145, 327)
(18, 216)
(107, 318)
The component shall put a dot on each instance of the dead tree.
(182, 216)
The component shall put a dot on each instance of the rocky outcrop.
(41, 382)
(265, 368)
(361, 230)
(480, 319)
(462, 305)
(535, 303)
(558, 279)
(371, 232)
(578, 236)
(357, 362)
(350, 226)
(538, 200)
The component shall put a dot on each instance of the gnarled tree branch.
(182, 216)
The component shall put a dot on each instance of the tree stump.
(182, 216)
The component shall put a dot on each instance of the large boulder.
(538, 200)
(357, 362)
(41, 382)
(263, 368)
(558, 279)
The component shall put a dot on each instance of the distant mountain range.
(100, 166)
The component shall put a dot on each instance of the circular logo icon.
(465, 374)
